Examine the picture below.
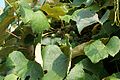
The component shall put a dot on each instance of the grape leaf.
(97, 51)
(39, 22)
(80, 2)
(84, 18)
(78, 73)
(22, 67)
(53, 58)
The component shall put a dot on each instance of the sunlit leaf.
(66, 18)
(1, 10)
(97, 51)
(84, 18)
(55, 11)
(25, 67)
(41, 2)
(11, 77)
(38, 55)
(39, 22)
(50, 41)
(115, 76)
(113, 46)
(26, 14)
(53, 58)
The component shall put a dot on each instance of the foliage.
(60, 40)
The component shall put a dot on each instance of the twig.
(13, 34)
(8, 3)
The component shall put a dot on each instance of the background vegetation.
(60, 40)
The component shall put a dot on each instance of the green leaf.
(80, 2)
(96, 69)
(4, 35)
(11, 77)
(97, 51)
(6, 18)
(37, 19)
(50, 41)
(1, 78)
(115, 76)
(94, 7)
(84, 18)
(26, 14)
(56, 11)
(113, 46)
(7, 50)
(78, 73)
(105, 17)
(66, 18)
(22, 67)
(108, 3)
(53, 58)
(41, 2)
(106, 30)
(39, 22)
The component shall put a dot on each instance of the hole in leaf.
(45, 71)
(27, 78)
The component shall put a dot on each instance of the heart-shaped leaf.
(53, 58)
(23, 68)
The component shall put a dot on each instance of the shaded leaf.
(5, 51)
(80, 2)
(94, 8)
(3, 36)
(6, 18)
(106, 30)
(1, 78)
(78, 73)
(96, 69)
(105, 17)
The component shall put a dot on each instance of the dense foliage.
(60, 40)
